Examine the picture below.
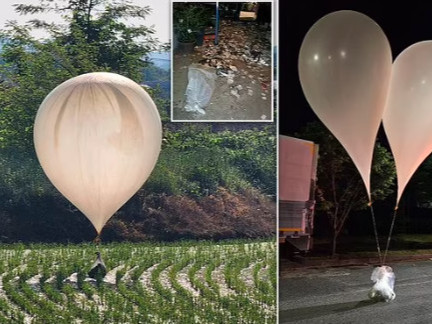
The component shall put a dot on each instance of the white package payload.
(201, 83)
(384, 279)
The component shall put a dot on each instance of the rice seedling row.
(186, 282)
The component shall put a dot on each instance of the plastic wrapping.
(383, 288)
(201, 83)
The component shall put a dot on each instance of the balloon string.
(390, 233)
(375, 232)
(97, 241)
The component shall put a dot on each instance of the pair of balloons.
(98, 137)
(347, 76)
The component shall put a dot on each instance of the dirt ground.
(242, 65)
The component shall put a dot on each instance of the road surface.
(339, 295)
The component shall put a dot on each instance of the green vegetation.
(189, 19)
(148, 283)
(200, 174)
(196, 161)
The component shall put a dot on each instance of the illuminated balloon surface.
(345, 66)
(408, 115)
(98, 137)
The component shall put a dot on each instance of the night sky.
(403, 23)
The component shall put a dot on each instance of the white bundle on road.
(384, 279)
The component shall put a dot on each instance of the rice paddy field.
(188, 282)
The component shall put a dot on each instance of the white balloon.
(98, 137)
(408, 115)
(345, 66)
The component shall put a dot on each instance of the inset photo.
(222, 67)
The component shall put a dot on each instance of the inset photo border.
(223, 61)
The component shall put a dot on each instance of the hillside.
(157, 74)
(206, 185)
(161, 60)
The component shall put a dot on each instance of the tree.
(96, 35)
(340, 189)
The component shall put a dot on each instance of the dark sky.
(404, 24)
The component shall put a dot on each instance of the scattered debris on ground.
(242, 62)
(238, 43)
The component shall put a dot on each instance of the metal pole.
(217, 24)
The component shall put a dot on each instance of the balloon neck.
(369, 203)
(97, 240)
(396, 208)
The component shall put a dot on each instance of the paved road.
(339, 295)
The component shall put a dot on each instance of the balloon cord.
(97, 241)
(376, 233)
(390, 233)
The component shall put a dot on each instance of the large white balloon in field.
(345, 66)
(98, 137)
(408, 115)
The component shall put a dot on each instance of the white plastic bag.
(384, 279)
(201, 83)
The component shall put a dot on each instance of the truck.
(298, 160)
